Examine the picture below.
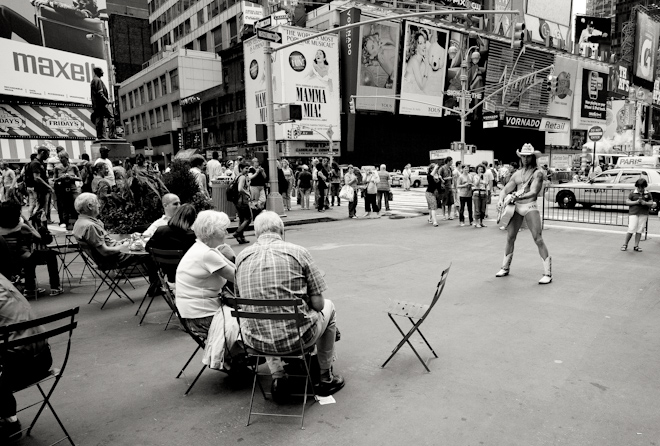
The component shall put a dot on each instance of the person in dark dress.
(175, 235)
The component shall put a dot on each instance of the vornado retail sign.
(522, 123)
(44, 73)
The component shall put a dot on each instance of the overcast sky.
(579, 6)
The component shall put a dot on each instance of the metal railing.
(597, 204)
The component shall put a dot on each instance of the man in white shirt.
(110, 176)
(170, 205)
(198, 163)
(8, 181)
(214, 168)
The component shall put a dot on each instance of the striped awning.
(19, 150)
(43, 121)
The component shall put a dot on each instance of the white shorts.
(637, 223)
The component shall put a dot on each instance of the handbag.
(347, 193)
(390, 196)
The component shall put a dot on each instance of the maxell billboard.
(45, 50)
(306, 74)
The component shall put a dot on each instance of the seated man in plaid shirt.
(275, 269)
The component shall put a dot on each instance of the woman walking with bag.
(464, 187)
(351, 180)
(480, 188)
(371, 191)
(432, 192)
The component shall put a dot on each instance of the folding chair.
(163, 259)
(302, 353)
(56, 374)
(103, 269)
(16, 242)
(416, 314)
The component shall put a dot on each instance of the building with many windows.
(149, 101)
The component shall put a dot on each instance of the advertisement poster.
(592, 34)
(540, 29)
(619, 81)
(423, 70)
(647, 34)
(19, 150)
(349, 40)
(561, 104)
(477, 65)
(32, 121)
(311, 71)
(590, 106)
(378, 67)
(45, 50)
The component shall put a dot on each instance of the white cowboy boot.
(547, 271)
(506, 265)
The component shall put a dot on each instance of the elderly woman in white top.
(203, 271)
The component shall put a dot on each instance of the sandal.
(624, 247)
(637, 248)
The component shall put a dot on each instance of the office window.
(217, 39)
(143, 116)
(186, 27)
(200, 17)
(233, 28)
(133, 124)
(130, 99)
(176, 110)
(150, 92)
(159, 116)
(223, 5)
(152, 121)
(187, 3)
(175, 31)
(202, 43)
(127, 127)
(166, 113)
(174, 79)
(138, 119)
(141, 94)
(163, 85)
(123, 103)
(213, 9)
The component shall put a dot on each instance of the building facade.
(149, 101)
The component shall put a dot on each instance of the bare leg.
(628, 237)
(638, 237)
(533, 219)
(512, 233)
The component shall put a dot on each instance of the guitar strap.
(529, 181)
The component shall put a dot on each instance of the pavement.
(573, 362)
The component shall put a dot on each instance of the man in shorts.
(525, 185)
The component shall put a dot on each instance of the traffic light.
(351, 105)
(552, 84)
(262, 132)
(289, 112)
(518, 35)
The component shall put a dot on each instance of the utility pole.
(274, 200)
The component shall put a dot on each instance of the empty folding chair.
(109, 272)
(302, 353)
(416, 314)
(10, 339)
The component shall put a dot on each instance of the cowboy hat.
(528, 149)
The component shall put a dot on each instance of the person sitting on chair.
(203, 272)
(22, 366)
(176, 235)
(89, 229)
(275, 269)
(12, 225)
(170, 204)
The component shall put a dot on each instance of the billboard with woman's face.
(423, 70)
(49, 49)
(377, 68)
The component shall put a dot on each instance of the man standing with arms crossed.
(525, 185)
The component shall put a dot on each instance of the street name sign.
(595, 133)
(277, 18)
(263, 23)
(271, 36)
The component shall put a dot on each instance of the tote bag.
(346, 193)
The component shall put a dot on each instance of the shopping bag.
(346, 193)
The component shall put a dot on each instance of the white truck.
(469, 158)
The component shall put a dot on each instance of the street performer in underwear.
(525, 185)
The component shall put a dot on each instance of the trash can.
(219, 197)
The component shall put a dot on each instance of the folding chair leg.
(308, 381)
(57, 418)
(420, 333)
(168, 320)
(254, 384)
(190, 359)
(196, 378)
(147, 310)
(405, 339)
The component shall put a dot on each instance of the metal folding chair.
(104, 270)
(16, 242)
(302, 353)
(55, 374)
(164, 260)
(416, 314)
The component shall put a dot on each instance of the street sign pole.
(274, 200)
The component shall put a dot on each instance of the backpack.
(232, 191)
